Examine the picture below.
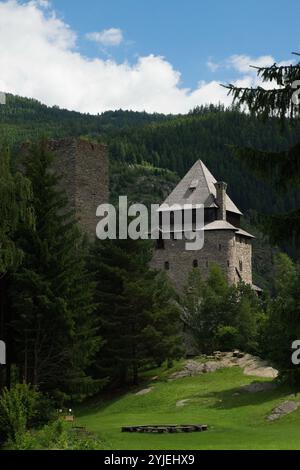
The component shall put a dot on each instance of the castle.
(225, 242)
(84, 172)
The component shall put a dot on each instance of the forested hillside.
(23, 118)
(170, 142)
(207, 134)
(149, 152)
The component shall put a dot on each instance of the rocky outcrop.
(251, 365)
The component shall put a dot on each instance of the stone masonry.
(83, 168)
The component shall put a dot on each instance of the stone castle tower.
(225, 243)
(83, 168)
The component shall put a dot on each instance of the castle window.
(160, 245)
(195, 263)
(220, 247)
(167, 265)
(207, 264)
(241, 265)
(228, 263)
(194, 185)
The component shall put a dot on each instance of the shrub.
(55, 436)
(227, 338)
(17, 406)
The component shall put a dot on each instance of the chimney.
(221, 188)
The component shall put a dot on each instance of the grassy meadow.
(236, 418)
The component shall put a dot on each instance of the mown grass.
(235, 421)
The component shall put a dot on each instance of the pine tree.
(139, 320)
(281, 168)
(55, 328)
(15, 194)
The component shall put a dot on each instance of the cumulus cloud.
(107, 37)
(39, 58)
(242, 63)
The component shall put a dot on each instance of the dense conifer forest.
(170, 142)
(150, 152)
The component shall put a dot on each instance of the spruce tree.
(55, 328)
(15, 194)
(282, 169)
(139, 319)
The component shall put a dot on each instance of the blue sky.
(189, 33)
(157, 55)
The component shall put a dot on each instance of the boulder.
(283, 409)
(145, 391)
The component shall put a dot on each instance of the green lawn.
(235, 422)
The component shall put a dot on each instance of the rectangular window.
(160, 244)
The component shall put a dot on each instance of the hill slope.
(172, 143)
(236, 418)
(22, 119)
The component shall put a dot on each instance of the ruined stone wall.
(83, 168)
(219, 248)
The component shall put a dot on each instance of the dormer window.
(193, 185)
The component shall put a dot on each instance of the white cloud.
(39, 58)
(42, 3)
(107, 37)
(242, 63)
(213, 66)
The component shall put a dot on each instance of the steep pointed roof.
(197, 187)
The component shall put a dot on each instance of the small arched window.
(241, 265)
(220, 247)
(167, 266)
(195, 263)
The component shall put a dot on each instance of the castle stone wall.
(243, 255)
(84, 172)
(219, 247)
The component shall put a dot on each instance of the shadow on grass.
(109, 397)
(237, 397)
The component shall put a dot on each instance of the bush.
(227, 338)
(17, 406)
(56, 436)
